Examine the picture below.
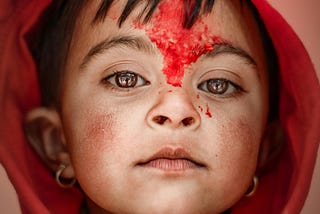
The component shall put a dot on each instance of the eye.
(219, 87)
(126, 79)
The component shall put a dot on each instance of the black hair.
(52, 44)
(192, 10)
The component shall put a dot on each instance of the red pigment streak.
(198, 96)
(208, 113)
(179, 46)
(169, 91)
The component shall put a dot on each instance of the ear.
(271, 146)
(45, 134)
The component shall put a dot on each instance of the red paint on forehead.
(179, 46)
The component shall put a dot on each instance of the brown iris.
(126, 80)
(217, 86)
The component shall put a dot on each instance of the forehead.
(225, 17)
(229, 20)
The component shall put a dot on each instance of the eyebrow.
(141, 44)
(225, 48)
(136, 43)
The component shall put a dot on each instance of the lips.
(168, 159)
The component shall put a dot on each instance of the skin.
(110, 130)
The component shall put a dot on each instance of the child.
(197, 81)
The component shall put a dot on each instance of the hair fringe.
(193, 9)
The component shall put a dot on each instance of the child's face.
(168, 130)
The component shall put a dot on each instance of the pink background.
(304, 17)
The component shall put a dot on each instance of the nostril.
(160, 119)
(188, 121)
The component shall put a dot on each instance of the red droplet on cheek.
(200, 108)
(179, 46)
(208, 113)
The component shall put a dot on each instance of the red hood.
(282, 190)
(285, 189)
(18, 93)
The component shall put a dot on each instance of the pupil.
(126, 80)
(217, 86)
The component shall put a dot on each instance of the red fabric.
(283, 190)
(37, 190)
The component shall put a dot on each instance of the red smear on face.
(208, 113)
(179, 46)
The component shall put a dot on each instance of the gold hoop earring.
(253, 187)
(64, 184)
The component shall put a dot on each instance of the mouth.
(169, 159)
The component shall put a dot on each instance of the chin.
(182, 202)
(169, 196)
(176, 207)
(169, 203)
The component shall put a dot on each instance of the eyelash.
(206, 86)
(225, 92)
(115, 80)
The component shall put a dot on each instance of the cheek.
(95, 137)
(91, 149)
(236, 159)
(236, 144)
(99, 131)
(239, 137)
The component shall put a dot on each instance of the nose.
(174, 110)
